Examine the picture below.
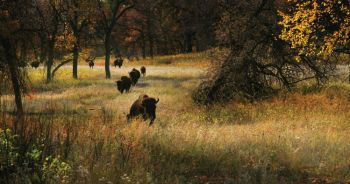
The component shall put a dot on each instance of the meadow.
(295, 137)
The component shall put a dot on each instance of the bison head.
(150, 107)
(120, 86)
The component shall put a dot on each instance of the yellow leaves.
(316, 28)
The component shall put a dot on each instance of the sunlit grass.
(200, 59)
(298, 137)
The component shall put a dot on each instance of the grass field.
(298, 137)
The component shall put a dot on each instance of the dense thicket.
(259, 61)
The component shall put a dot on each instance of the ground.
(296, 137)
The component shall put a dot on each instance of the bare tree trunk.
(43, 51)
(188, 42)
(108, 55)
(143, 45)
(150, 38)
(50, 61)
(10, 56)
(151, 47)
(75, 60)
(23, 52)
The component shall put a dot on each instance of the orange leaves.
(7, 25)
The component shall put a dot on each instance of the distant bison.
(118, 62)
(124, 84)
(144, 107)
(34, 64)
(134, 76)
(143, 71)
(91, 62)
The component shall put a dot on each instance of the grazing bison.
(144, 107)
(134, 76)
(118, 62)
(35, 64)
(124, 84)
(143, 71)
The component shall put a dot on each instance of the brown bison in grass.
(144, 107)
(143, 71)
(124, 84)
(118, 62)
(134, 76)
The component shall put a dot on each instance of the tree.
(79, 15)
(259, 62)
(49, 22)
(14, 28)
(111, 11)
(57, 40)
(317, 28)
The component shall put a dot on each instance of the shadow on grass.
(142, 85)
(170, 79)
(60, 86)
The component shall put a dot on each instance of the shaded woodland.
(234, 73)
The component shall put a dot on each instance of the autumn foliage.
(317, 28)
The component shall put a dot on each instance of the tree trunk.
(188, 42)
(150, 38)
(50, 61)
(151, 46)
(23, 56)
(43, 50)
(349, 73)
(143, 45)
(75, 61)
(10, 56)
(108, 55)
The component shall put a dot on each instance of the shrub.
(30, 165)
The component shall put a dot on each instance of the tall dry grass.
(299, 137)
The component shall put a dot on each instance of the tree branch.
(60, 65)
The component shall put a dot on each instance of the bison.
(90, 60)
(134, 76)
(124, 84)
(144, 107)
(91, 64)
(143, 71)
(34, 64)
(118, 62)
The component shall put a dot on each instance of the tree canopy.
(317, 27)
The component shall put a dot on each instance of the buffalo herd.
(91, 61)
(125, 83)
(145, 106)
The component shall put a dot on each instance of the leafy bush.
(31, 165)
